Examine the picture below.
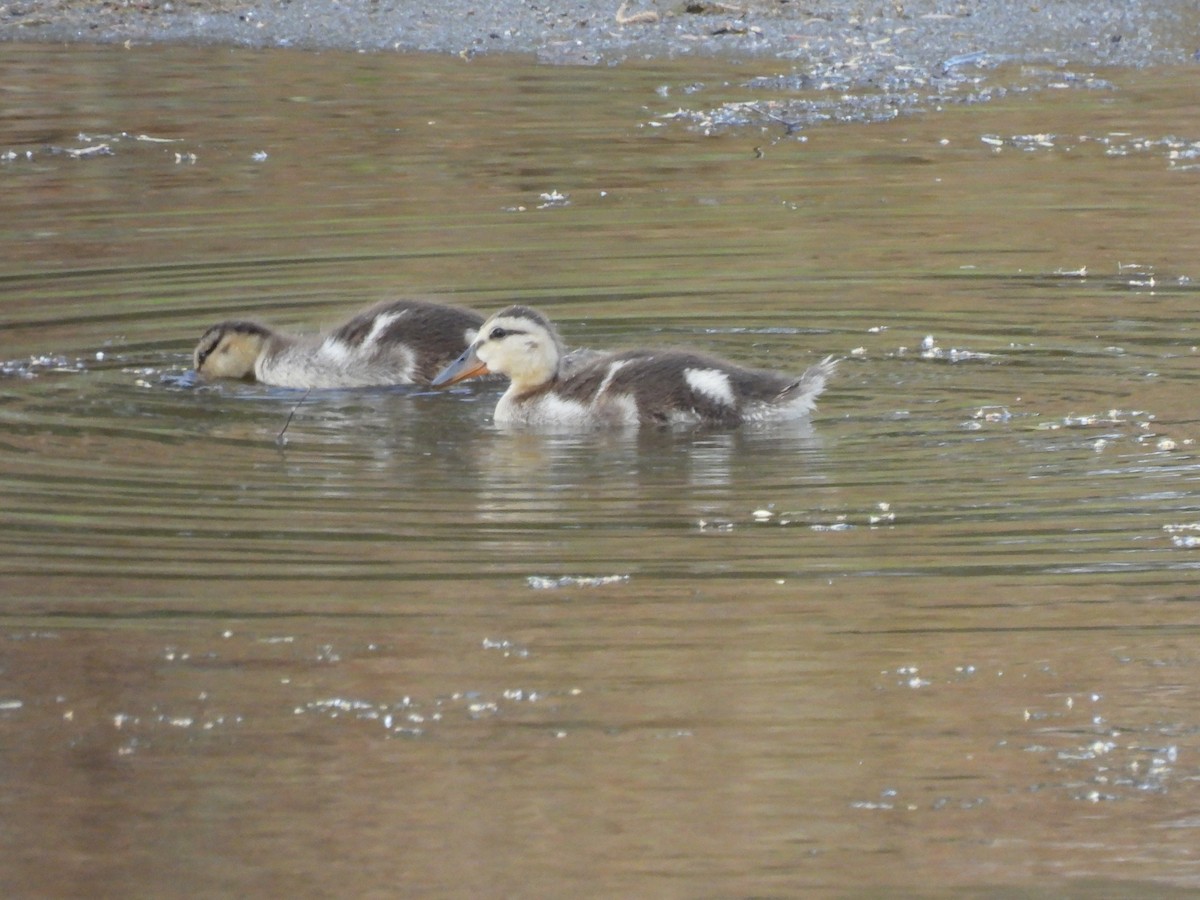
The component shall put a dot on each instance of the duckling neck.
(284, 355)
(534, 374)
(525, 387)
(279, 344)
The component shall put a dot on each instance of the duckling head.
(518, 342)
(230, 350)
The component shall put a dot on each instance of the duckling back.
(402, 341)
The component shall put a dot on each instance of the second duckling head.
(518, 342)
(230, 350)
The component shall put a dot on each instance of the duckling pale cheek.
(466, 366)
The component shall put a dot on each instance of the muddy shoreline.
(865, 41)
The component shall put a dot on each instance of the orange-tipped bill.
(466, 366)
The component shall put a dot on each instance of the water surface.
(941, 635)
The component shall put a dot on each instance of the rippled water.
(943, 635)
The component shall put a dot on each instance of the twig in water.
(281, 440)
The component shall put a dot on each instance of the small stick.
(281, 440)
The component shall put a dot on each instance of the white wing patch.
(711, 383)
(334, 352)
(613, 369)
(381, 325)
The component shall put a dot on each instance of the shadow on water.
(948, 624)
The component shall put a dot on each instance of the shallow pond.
(942, 635)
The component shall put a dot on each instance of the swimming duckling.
(395, 342)
(625, 388)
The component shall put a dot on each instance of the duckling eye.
(498, 333)
(204, 354)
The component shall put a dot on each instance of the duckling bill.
(396, 342)
(665, 387)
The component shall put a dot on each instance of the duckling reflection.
(395, 342)
(668, 387)
(538, 487)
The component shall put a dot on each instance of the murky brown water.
(944, 637)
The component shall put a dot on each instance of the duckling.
(624, 388)
(395, 342)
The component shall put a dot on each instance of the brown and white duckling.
(624, 388)
(396, 342)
